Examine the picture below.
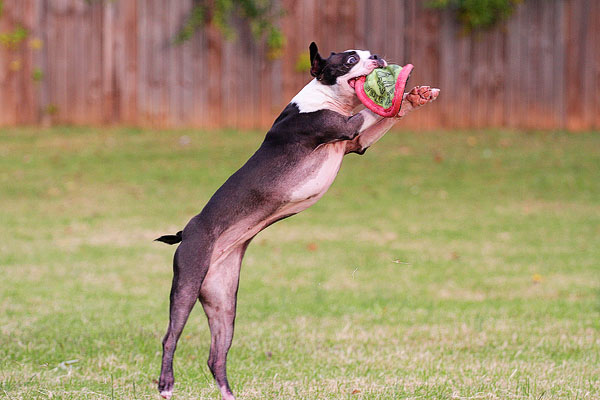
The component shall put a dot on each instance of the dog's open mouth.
(352, 81)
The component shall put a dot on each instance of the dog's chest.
(317, 173)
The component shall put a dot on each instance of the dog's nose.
(380, 61)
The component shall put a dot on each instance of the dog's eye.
(352, 60)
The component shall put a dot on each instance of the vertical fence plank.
(215, 72)
(108, 62)
(143, 64)
(291, 52)
(558, 65)
(40, 60)
(154, 60)
(200, 76)
(591, 38)
(227, 80)
(7, 73)
(94, 62)
(125, 60)
(187, 69)
(576, 14)
(173, 66)
(59, 93)
(5, 96)
(359, 23)
(595, 40)
(27, 108)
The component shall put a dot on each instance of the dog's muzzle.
(380, 61)
(376, 62)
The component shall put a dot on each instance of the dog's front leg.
(374, 126)
(366, 138)
(369, 118)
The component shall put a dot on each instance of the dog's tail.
(170, 239)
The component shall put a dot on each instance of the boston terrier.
(292, 169)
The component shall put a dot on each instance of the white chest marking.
(316, 96)
(315, 186)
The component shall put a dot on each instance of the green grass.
(442, 265)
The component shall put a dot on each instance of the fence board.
(595, 102)
(115, 63)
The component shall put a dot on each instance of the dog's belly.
(307, 184)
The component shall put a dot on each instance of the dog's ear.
(316, 62)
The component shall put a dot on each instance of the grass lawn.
(440, 265)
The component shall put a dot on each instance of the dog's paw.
(417, 97)
(165, 386)
(421, 95)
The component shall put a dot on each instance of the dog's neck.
(315, 96)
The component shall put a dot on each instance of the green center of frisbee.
(381, 83)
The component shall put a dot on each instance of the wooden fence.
(114, 62)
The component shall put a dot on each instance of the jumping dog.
(292, 169)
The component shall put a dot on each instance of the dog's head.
(342, 69)
(335, 76)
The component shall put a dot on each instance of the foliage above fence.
(474, 14)
(259, 14)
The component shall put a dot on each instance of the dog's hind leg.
(218, 296)
(190, 265)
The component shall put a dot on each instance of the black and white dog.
(293, 168)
